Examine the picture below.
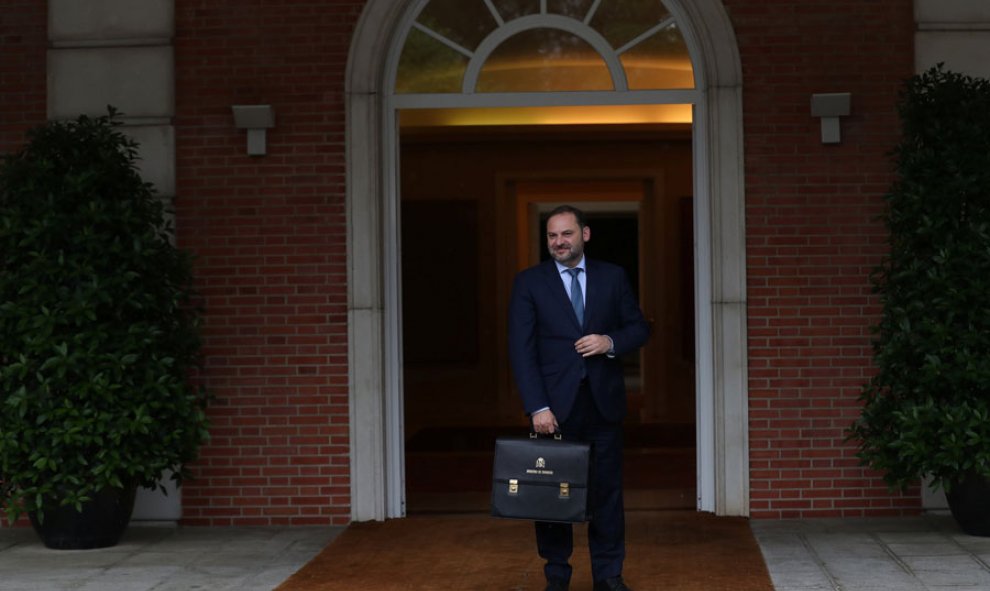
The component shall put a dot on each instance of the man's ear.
(586, 234)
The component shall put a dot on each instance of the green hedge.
(927, 410)
(97, 332)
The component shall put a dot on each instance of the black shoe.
(556, 586)
(613, 584)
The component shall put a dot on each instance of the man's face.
(565, 239)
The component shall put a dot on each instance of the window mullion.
(591, 12)
(451, 44)
(645, 35)
(495, 13)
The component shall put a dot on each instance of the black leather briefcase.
(541, 479)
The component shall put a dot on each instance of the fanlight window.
(488, 46)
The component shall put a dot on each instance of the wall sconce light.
(830, 106)
(255, 119)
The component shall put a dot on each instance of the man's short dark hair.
(578, 214)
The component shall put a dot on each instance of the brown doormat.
(665, 550)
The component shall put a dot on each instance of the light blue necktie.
(577, 299)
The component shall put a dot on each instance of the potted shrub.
(926, 412)
(97, 335)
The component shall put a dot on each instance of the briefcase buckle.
(565, 490)
(513, 487)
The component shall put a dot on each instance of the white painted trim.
(591, 11)
(495, 13)
(395, 493)
(720, 256)
(365, 316)
(704, 385)
(544, 21)
(646, 35)
(546, 99)
(719, 182)
(372, 458)
(448, 42)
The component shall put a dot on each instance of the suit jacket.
(543, 329)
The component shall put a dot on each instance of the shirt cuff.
(538, 411)
(611, 348)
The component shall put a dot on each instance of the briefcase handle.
(557, 435)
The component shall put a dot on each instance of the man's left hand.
(592, 344)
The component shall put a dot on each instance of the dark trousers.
(606, 531)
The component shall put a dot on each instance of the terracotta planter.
(101, 523)
(969, 501)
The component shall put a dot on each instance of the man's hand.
(593, 344)
(545, 422)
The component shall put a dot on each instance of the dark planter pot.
(100, 524)
(969, 501)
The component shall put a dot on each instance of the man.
(570, 319)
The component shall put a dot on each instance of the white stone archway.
(373, 263)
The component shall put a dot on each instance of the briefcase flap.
(541, 461)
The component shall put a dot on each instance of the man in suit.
(570, 320)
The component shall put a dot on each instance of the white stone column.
(956, 32)
(119, 53)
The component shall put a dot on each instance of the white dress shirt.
(582, 279)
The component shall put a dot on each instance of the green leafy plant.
(927, 410)
(97, 330)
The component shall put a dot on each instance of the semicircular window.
(483, 46)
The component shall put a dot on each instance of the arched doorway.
(375, 311)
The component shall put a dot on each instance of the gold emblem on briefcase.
(540, 468)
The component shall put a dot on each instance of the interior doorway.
(473, 205)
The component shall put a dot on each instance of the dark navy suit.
(587, 395)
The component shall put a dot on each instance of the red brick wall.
(812, 240)
(23, 42)
(270, 233)
(270, 236)
(23, 87)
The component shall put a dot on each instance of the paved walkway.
(901, 554)
(164, 558)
